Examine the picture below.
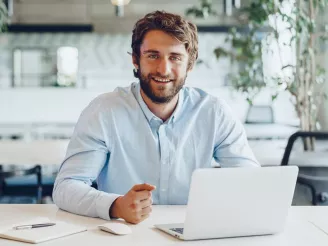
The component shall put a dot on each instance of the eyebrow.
(157, 52)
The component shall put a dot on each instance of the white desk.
(298, 232)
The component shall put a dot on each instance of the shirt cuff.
(103, 204)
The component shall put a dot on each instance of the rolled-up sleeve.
(86, 156)
(231, 144)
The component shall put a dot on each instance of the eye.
(153, 56)
(176, 58)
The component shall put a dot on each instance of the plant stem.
(277, 40)
(312, 115)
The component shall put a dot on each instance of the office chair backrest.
(32, 171)
(294, 137)
(260, 114)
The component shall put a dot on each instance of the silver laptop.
(234, 202)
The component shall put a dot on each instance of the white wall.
(103, 58)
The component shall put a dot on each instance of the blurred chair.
(260, 124)
(308, 175)
(260, 114)
(22, 194)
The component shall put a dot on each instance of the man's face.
(162, 66)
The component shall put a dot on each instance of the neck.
(163, 110)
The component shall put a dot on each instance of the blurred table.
(19, 154)
(269, 131)
(52, 152)
(270, 153)
(43, 152)
(36, 131)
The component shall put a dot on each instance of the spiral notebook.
(38, 235)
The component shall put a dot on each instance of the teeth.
(162, 80)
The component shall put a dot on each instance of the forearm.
(77, 197)
(87, 154)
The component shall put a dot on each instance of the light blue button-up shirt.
(119, 142)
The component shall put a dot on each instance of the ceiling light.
(120, 2)
(119, 6)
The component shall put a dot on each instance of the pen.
(33, 226)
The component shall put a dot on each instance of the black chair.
(21, 194)
(318, 185)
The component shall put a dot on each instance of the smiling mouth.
(162, 81)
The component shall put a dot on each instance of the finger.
(143, 217)
(139, 219)
(142, 195)
(140, 187)
(146, 203)
(146, 210)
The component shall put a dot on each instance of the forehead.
(162, 42)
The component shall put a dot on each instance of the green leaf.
(274, 97)
(203, 11)
(320, 70)
(249, 100)
(220, 52)
(292, 39)
(3, 16)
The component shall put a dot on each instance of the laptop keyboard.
(178, 230)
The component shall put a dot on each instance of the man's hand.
(135, 206)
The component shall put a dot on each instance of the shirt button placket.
(164, 180)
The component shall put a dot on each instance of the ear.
(191, 67)
(135, 61)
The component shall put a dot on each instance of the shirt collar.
(149, 115)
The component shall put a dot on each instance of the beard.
(160, 94)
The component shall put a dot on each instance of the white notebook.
(38, 235)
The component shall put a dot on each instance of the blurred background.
(266, 58)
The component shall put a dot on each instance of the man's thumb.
(140, 187)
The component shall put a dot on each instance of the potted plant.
(267, 22)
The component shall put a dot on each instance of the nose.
(164, 67)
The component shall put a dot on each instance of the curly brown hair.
(174, 25)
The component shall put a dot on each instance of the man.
(153, 133)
